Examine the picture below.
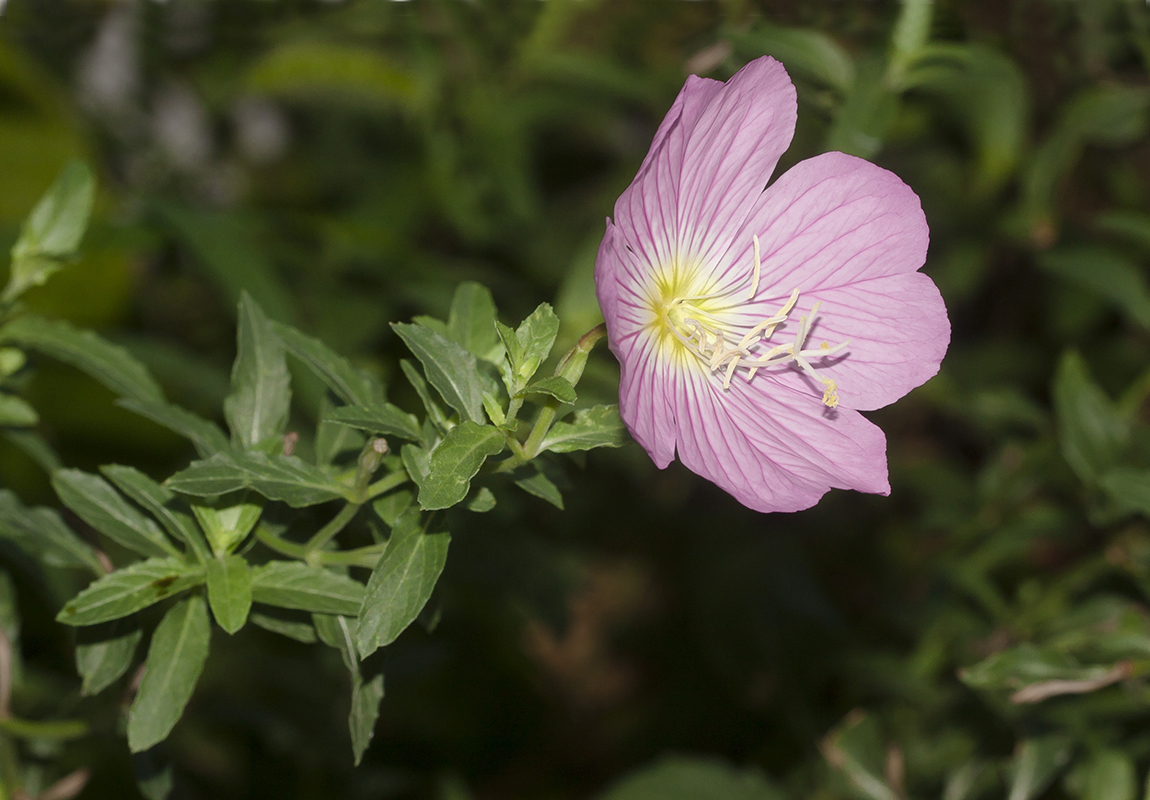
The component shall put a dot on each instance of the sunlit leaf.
(292, 584)
(401, 583)
(455, 461)
(175, 660)
(130, 589)
(258, 407)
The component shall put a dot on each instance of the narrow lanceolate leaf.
(1128, 487)
(105, 652)
(257, 408)
(557, 387)
(536, 336)
(16, 412)
(128, 590)
(365, 699)
(453, 371)
(435, 415)
(401, 583)
(42, 534)
(110, 364)
(292, 584)
(454, 462)
(1037, 763)
(1091, 431)
(351, 385)
(337, 631)
(472, 321)
(159, 502)
(531, 479)
(300, 631)
(205, 435)
(56, 225)
(97, 503)
(382, 418)
(53, 230)
(285, 478)
(599, 426)
(229, 591)
(175, 660)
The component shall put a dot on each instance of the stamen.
(702, 322)
(758, 269)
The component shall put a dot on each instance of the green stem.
(281, 546)
(384, 484)
(359, 557)
(337, 524)
(543, 423)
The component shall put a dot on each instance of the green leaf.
(1106, 272)
(105, 652)
(1036, 764)
(862, 121)
(292, 584)
(531, 479)
(109, 364)
(351, 385)
(987, 93)
(1110, 776)
(36, 448)
(325, 72)
(557, 387)
(453, 371)
(415, 461)
(472, 321)
(300, 631)
(401, 583)
(159, 502)
(435, 414)
(227, 523)
(680, 778)
(175, 660)
(482, 502)
(1027, 665)
(16, 412)
(1090, 430)
(226, 246)
(1128, 487)
(381, 418)
(42, 534)
(53, 230)
(206, 436)
(598, 426)
(803, 50)
(391, 506)
(258, 407)
(284, 478)
(130, 589)
(335, 631)
(365, 699)
(97, 503)
(229, 591)
(454, 462)
(855, 748)
(536, 336)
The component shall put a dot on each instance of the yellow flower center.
(690, 317)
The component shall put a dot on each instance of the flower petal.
(646, 213)
(771, 447)
(898, 332)
(830, 221)
(730, 154)
(644, 400)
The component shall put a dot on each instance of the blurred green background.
(348, 163)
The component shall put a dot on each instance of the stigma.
(707, 325)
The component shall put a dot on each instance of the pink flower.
(752, 326)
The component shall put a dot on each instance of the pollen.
(706, 323)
